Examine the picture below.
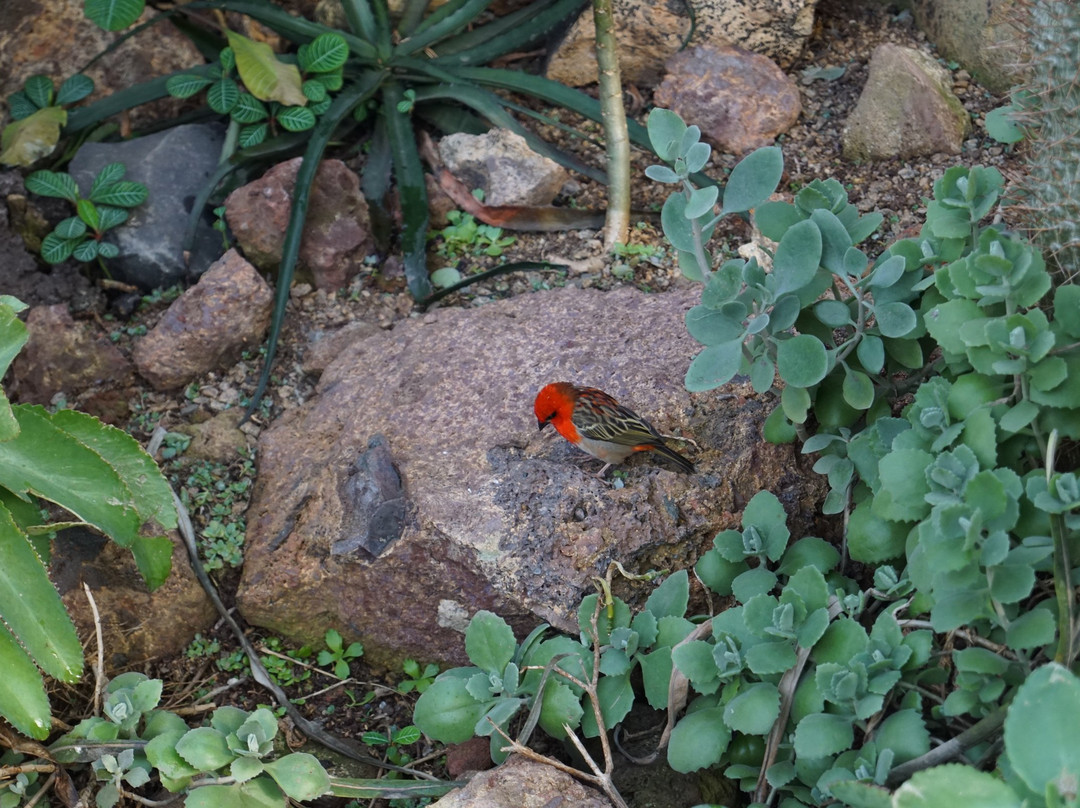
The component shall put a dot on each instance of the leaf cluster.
(105, 207)
(38, 115)
(955, 504)
(104, 480)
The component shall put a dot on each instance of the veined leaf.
(55, 249)
(114, 15)
(39, 89)
(326, 53)
(121, 194)
(266, 78)
(75, 88)
(51, 183)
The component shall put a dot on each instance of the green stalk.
(1063, 587)
(614, 119)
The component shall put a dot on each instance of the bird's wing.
(598, 416)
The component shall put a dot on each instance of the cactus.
(1050, 111)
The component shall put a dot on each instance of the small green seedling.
(338, 655)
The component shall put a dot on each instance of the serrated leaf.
(300, 776)
(823, 734)
(698, 740)
(489, 642)
(23, 701)
(754, 710)
(264, 75)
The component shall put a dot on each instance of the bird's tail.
(673, 458)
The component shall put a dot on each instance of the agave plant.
(399, 73)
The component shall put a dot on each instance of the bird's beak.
(542, 424)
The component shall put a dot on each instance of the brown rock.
(218, 439)
(647, 32)
(980, 34)
(208, 326)
(72, 358)
(137, 625)
(906, 109)
(488, 513)
(337, 232)
(54, 38)
(739, 99)
(521, 783)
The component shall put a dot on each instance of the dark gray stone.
(174, 165)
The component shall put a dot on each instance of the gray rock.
(174, 166)
(501, 164)
(496, 515)
(906, 109)
(979, 34)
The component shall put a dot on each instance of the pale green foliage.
(105, 481)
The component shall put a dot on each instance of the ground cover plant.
(825, 680)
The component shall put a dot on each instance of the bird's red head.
(555, 401)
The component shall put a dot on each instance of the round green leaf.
(698, 741)
(313, 90)
(871, 353)
(1001, 125)
(858, 389)
(754, 710)
(55, 249)
(753, 180)
(299, 775)
(701, 201)
(296, 119)
(185, 85)
(873, 540)
(666, 130)
(762, 374)
(75, 88)
(802, 360)
(714, 366)
(778, 427)
(39, 89)
(1042, 730)
(249, 109)
(445, 712)
(560, 706)
(223, 95)
(51, 183)
(823, 734)
(797, 257)
(895, 319)
(71, 228)
(205, 749)
(833, 313)
(953, 784)
(324, 53)
(676, 224)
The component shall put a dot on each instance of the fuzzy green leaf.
(753, 179)
(698, 740)
(802, 360)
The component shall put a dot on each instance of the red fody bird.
(596, 423)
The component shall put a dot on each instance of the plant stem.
(951, 749)
(616, 138)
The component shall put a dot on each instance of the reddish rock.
(907, 109)
(462, 504)
(208, 326)
(337, 232)
(739, 99)
(72, 358)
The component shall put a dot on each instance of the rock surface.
(979, 34)
(741, 100)
(208, 326)
(137, 625)
(174, 165)
(501, 164)
(337, 232)
(494, 514)
(72, 359)
(521, 783)
(906, 109)
(649, 33)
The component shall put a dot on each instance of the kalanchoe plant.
(106, 206)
